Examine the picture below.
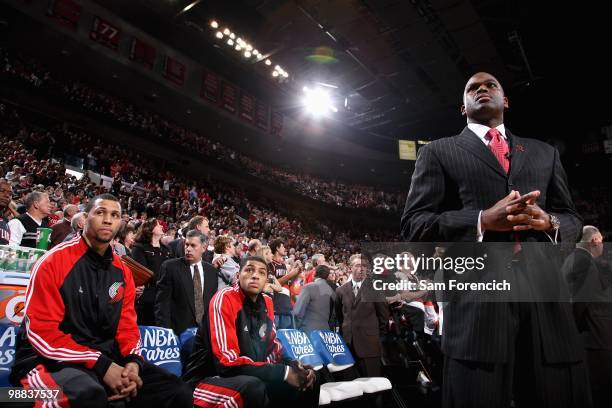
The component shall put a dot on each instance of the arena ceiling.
(400, 64)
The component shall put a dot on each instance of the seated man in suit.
(315, 303)
(185, 286)
(236, 358)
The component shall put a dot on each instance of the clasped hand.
(516, 213)
(124, 382)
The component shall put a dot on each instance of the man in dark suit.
(363, 316)
(185, 287)
(590, 281)
(466, 189)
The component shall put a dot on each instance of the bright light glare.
(226, 31)
(230, 42)
(317, 102)
(219, 34)
(214, 24)
(268, 62)
(247, 54)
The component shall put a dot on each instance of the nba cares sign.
(297, 346)
(160, 346)
(331, 347)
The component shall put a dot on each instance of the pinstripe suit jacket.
(455, 178)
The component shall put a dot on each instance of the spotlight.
(278, 68)
(219, 34)
(214, 24)
(230, 42)
(226, 31)
(247, 54)
(249, 47)
(274, 74)
(286, 75)
(268, 62)
(237, 47)
(232, 36)
(317, 102)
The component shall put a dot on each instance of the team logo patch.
(115, 292)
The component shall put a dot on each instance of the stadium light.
(243, 47)
(317, 102)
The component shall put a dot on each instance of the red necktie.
(499, 148)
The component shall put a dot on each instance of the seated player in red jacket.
(236, 359)
(80, 334)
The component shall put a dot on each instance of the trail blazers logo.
(115, 292)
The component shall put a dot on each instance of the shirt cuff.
(479, 231)
(553, 240)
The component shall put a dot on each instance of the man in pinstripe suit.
(466, 189)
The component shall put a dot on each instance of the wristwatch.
(554, 222)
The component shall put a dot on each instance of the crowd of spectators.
(148, 191)
(117, 109)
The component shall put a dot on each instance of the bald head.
(484, 101)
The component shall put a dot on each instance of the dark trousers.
(245, 391)
(82, 388)
(599, 363)
(525, 378)
(367, 366)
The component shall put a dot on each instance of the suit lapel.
(468, 140)
(518, 154)
(187, 281)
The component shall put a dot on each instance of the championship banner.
(276, 123)
(174, 71)
(142, 53)
(160, 346)
(297, 346)
(332, 348)
(8, 342)
(105, 33)
(262, 112)
(229, 95)
(66, 12)
(247, 106)
(210, 86)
